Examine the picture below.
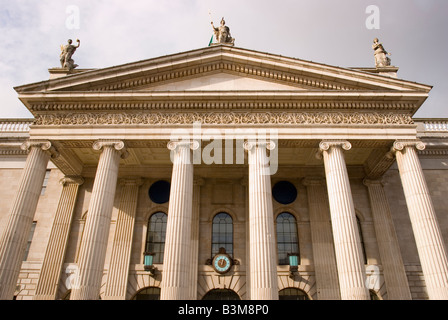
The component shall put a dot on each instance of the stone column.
(394, 272)
(117, 278)
(96, 231)
(20, 219)
(50, 273)
(263, 256)
(322, 240)
(176, 275)
(351, 270)
(428, 237)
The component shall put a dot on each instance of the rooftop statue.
(381, 58)
(67, 52)
(222, 33)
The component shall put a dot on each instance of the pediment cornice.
(142, 75)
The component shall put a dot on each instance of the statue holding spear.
(222, 33)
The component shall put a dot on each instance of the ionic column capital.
(118, 145)
(325, 145)
(72, 180)
(45, 145)
(400, 145)
(249, 144)
(173, 145)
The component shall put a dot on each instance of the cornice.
(246, 70)
(218, 101)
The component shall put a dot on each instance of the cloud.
(114, 32)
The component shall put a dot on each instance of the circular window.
(284, 192)
(159, 192)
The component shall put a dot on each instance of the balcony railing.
(15, 125)
(429, 126)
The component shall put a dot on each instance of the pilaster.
(394, 272)
(197, 183)
(322, 239)
(54, 255)
(117, 278)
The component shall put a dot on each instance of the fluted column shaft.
(96, 231)
(322, 239)
(351, 270)
(394, 272)
(57, 243)
(263, 263)
(117, 278)
(20, 219)
(176, 276)
(428, 237)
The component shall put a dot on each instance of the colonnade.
(178, 278)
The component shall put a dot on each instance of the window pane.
(155, 239)
(222, 233)
(287, 237)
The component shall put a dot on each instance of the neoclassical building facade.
(224, 173)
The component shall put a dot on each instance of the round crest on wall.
(284, 192)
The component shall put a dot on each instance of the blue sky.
(113, 32)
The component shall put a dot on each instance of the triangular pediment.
(235, 68)
(223, 77)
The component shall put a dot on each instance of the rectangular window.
(44, 185)
(30, 239)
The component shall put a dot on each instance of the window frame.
(220, 243)
(285, 260)
(158, 255)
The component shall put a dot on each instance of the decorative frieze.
(226, 118)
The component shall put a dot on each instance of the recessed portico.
(242, 110)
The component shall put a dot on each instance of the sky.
(332, 32)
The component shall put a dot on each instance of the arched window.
(292, 294)
(287, 238)
(149, 293)
(155, 236)
(222, 233)
(221, 294)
